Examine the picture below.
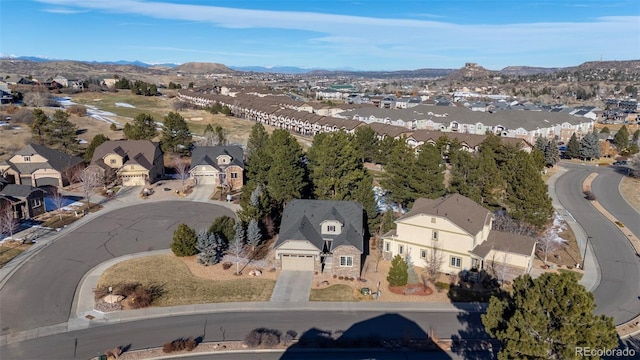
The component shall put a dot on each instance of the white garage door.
(133, 180)
(205, 179)
(297, 262)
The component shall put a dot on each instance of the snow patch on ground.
(557, 227)
(125, 105)
(382, 202)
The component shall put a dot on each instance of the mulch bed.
(412, 289)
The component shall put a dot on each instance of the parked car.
(620, 163)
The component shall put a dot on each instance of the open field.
(630, 189)
(180, 287)
(13, 140)
(157, 106)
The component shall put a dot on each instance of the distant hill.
(420, 73)
(272, 70)
(471, 72)
(202, 68)
(526, 70)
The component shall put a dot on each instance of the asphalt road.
(41, 292)
(619, 288)
(234, 326)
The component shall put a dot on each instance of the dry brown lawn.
(630, 189)
(338, 292)
(181, 287)
(13, 140)
(9, 249)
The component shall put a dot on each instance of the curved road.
(619, 288)
(40, 293)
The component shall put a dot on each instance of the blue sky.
(364, 34)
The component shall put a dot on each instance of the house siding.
(350, 271)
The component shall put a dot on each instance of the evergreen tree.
(184, 241)
(364, 194)
(489, 178)
(224, 227)
(236, 247)
(605, 130)
(143, 127)
(387, 222)
(399, 272)
(398, 174)
(621, 138)
(95, 142)
(464, 173)
(286, 177)
(541, 143)
(547, 318)
(384, 150)
(258, 157)
(335, 166)
(176, 136)
(551, 153)
(211, 248)
(573, 147)
(527, 196)
(636, 136)
(62, 131)
(40, 126)
(366, 141)
(427, 177)
(590, 147)
(254, 235)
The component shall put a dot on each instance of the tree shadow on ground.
(391, 333)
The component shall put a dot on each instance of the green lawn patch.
(339, 292)
(180, 287)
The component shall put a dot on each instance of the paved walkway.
(292, 287)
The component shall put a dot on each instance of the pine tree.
(427, 177)
(176, 136)
(589, 147)
(398, 273)
(143, 127)
(605, 130)
(258, 157)
(364, 194)
(551, 153)
(224, 227)
(95, 142)
(573, 147)
(464, 172)
(398, 173)
(286, 178)
(236, 247)
(621, 138)
(541, 143)
(366, 140)
(387, 222)
(254, 235)
(547, 318)
(211, 247)
(636, 136)
(40, 126)
(184, 241)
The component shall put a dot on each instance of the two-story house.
(325, 236)
(218, 166)
(38, 165)
(136, 162)
(458, 231)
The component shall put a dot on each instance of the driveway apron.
(292, 286)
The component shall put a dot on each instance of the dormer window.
(26, 158)
(331, 227)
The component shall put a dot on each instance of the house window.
(423, 254)
(234, 175)
(331, 228)
(435, 235)
(433, 220)
(36, 203)
(26, 158)
(455, 262)
(346, 261)
(400, 249)
(387, 246)
(112, 161)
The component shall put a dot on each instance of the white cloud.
(64, 11)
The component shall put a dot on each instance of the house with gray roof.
(456, 231)
(38, 165)
(25, 201)
(135, 162)
(216, 166)
(324, 236)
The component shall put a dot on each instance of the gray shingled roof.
(301, 221)
(206, 155)
(56, 159)
(19, 191)
(505, 242)
(142, 152)
(460, 210)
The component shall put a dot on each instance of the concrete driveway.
(292, 286)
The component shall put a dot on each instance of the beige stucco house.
(324, 236)
(456, 231)
(38, 165)
(136, 162)
(218, 166)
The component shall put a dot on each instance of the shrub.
(167, 347)
(340, 277)
(227, 265)
(263, 337)
(191, 344)
(619, 224)
(589, 195)
(184, 241)
(442, 285)
(289, 336)
(79, 110)
(335, 276)
(113, 127)
(399, 272)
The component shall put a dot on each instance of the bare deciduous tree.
(435, 260)
(90, 180)
(499, 266)
(8, 221)
(182, 170)
(38, 99)
(547, 244)
(58, 200)
(503, 222)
